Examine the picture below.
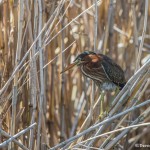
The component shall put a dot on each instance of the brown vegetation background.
(38, 39)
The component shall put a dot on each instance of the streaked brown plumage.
(101, 69)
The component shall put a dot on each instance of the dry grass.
(38, 39)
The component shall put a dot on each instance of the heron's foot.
(100, 117)
(103, 115)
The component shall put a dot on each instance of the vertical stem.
(5, 21)
(33, 104)
(95, 47)
(143, 35)
(13, 120)
(41, 78)
(62, 103)
(33, 72)
(108, 25)
(5, 13)
(17, 60)
(95, 26)
(135, 33)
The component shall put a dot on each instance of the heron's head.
(82, 58)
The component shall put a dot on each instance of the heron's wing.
(113, 71)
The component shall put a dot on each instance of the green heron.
(101, 69)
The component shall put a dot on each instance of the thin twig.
(13, 140)
(5, 143)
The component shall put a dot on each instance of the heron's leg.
(117, 91)
(101, 104)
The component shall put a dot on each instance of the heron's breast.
(95, 73)
(108, 86)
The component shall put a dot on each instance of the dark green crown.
(82, 55)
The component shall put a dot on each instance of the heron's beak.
(70, 66)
